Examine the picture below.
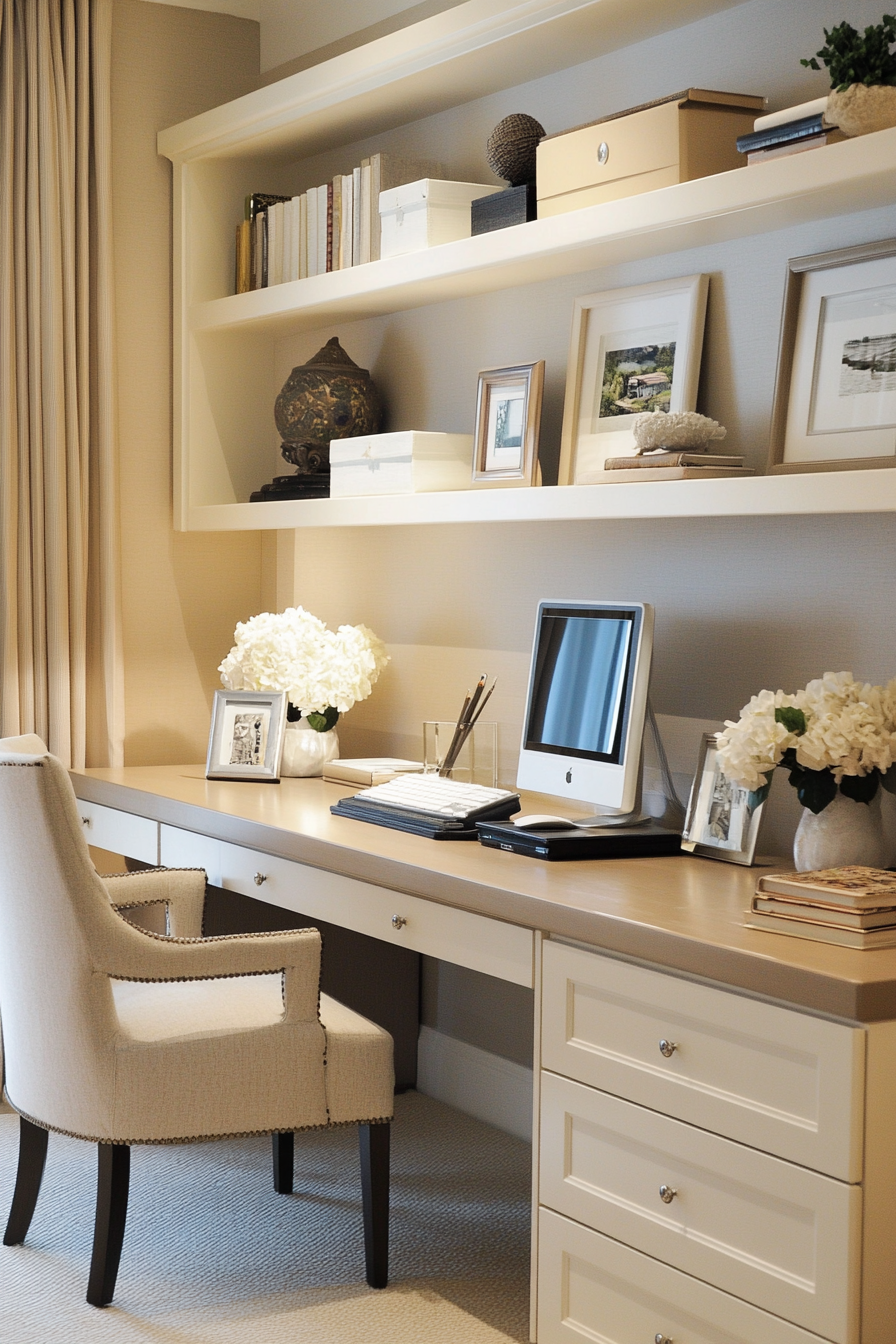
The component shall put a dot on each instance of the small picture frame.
(246, 736)
(508, 422)
(723, 818)
(630, 351)
(835, 395)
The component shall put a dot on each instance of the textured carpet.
(213, 1256)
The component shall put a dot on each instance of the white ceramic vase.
(862, 108)
(845, 832)
(306, 751)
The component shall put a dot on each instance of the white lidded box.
(426, 213)
(404, 463)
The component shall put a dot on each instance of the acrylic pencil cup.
(477, 760)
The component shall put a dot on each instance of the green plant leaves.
(793, 719)
(889, 779)
(324, 722)
(861, 788)
(814, 788)
(858, 58)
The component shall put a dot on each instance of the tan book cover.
(854, 885)
(873, 917)
(369, 770)
(821, 933)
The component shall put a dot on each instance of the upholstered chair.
(121, 1036)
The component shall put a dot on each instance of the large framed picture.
(631, 350)
(508, 420)
(835, 397)
(723, 818)
(246, 737)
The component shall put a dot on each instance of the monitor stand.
(619, 820)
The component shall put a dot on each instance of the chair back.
(56, 1006)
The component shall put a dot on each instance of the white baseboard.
(476, 1082)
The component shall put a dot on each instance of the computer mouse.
(538, 821)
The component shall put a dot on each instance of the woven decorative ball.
(510, 149)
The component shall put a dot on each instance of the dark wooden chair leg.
(113, 1177)
(283, 1147)
(374, 1142)
(32, 1156)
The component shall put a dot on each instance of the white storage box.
(426, 213)
(404, 463)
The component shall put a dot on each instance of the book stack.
(853, 906)
(670, 466)
(790, 131)
(370, 770)
(326, 228)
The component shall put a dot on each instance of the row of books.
(853, 906)
(326, 228)
(790, 131)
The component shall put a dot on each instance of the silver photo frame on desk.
(246, 736)
(723, 818)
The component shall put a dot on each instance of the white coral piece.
(675, 431)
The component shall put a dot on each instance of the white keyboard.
(439, 797)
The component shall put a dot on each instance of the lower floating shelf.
(829, 492)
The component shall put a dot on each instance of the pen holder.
(477, 761)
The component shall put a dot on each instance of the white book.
(364, 213)
(311, 212)
(356, 217)
(322, 230)
(303, 236)
(346, 227)
(293, 268)
(275, 243)
(786, 114)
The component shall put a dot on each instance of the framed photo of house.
(508, 421)
(723, 818)
(246, 736)
(631, 350)
(835, 396)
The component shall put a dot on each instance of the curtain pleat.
(60, 629)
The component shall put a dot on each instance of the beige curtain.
(60, 640)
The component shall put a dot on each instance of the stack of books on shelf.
(670, 466)
(326, 228)
(853, 906)
(790, 131)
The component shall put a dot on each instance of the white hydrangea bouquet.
(323, 672)
(836, 734)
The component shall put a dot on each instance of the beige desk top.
(684, 913)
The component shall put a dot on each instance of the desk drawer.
(777, 1235)
(120, 832)
(778, 1080)
(590, 1287)
(487, 945)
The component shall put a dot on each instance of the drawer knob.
(398, 921)
(86, 821)
(667, 1194)
(668, 1048)
(259, 879)
(603, 152)
(660, 1338)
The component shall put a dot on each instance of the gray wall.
(741, 603)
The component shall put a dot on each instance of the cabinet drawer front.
(487, 945)
(636, 144)
(777, 1235)
(120, 832)
(778, 1080)
(590, 1287)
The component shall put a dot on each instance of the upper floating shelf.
(855, 175)
(466, 52)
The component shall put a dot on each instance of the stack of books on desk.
(670, 466)
(790, 131)
(853, 906)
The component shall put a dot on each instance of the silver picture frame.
(723, 818)
(245, 740)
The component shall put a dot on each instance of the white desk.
(771, 1119)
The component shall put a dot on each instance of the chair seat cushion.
(359, 1075)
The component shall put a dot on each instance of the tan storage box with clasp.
(687, 135)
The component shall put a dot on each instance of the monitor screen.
(587, 700)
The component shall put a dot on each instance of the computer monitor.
(587, 703)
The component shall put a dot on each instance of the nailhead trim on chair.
(200, 1138)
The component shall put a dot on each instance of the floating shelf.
(830, 492)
